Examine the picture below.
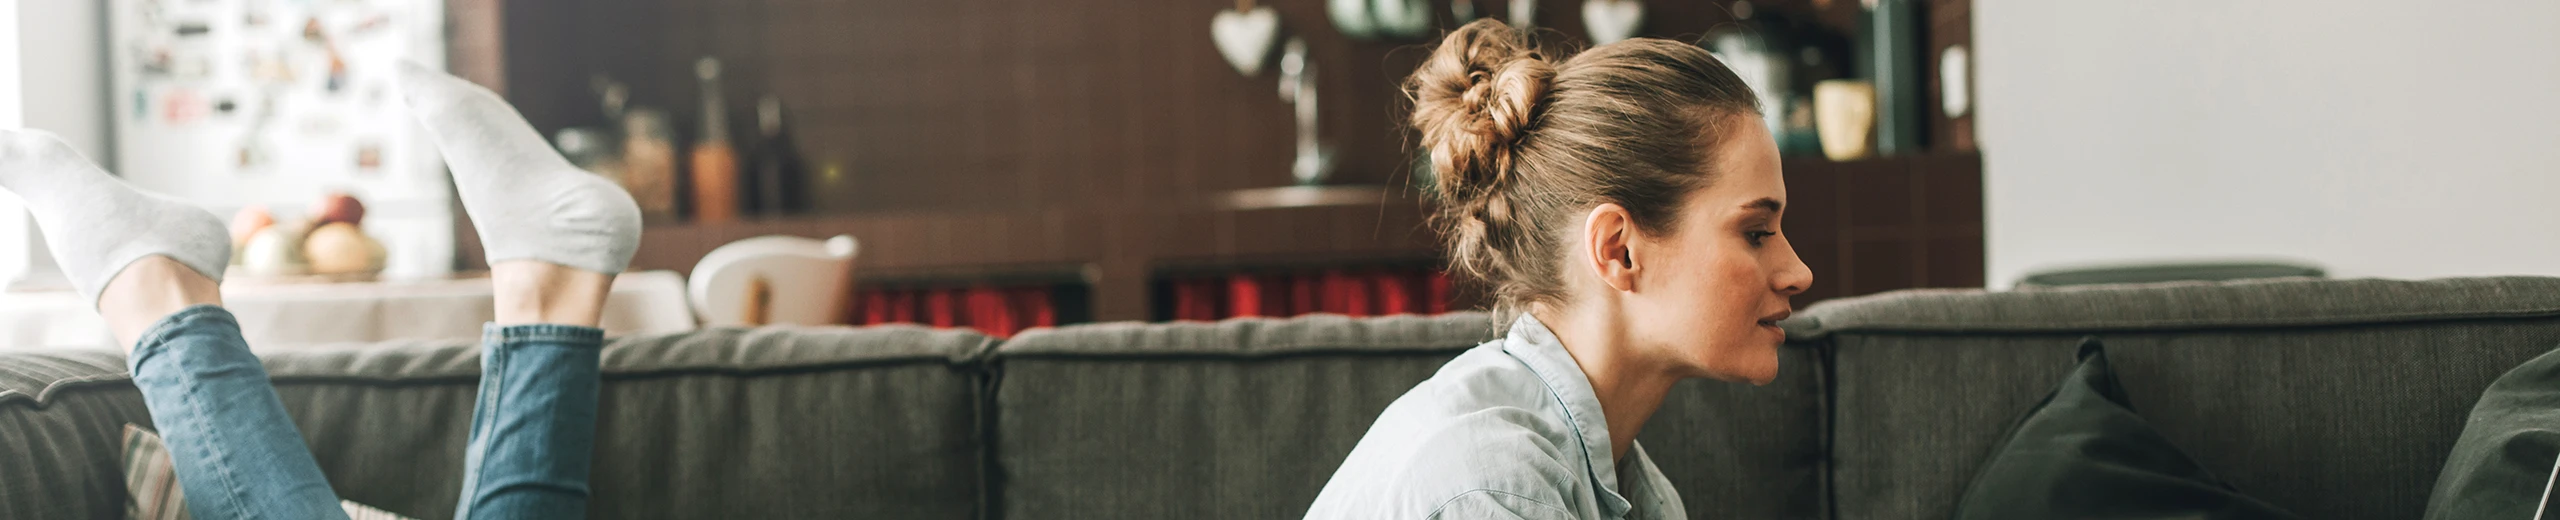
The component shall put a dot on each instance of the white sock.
(528, 202)
(97, 225)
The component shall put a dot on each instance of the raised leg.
(556, 236)
(151, 265)
(237, 454)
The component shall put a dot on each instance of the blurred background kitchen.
(1007, 164)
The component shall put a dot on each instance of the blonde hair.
(1521, 143)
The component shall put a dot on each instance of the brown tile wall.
(989, 133)
(989, 104)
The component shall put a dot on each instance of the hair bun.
(1473, 100)
(1522, 144)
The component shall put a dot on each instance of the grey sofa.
(2337, 399)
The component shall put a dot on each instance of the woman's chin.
(1764, 376)
(1765, 379)
(1759, 367)
(1762, 366)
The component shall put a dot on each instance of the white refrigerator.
(231, 103)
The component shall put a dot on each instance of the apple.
(340, 248)
(337, 207)
(274, 251)
(248, 223)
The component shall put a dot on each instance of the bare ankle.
(533, 291)
(147, 291)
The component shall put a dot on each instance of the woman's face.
(1708, 294)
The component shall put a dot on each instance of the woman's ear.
(1608, 235)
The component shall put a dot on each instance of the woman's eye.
(1756, 236)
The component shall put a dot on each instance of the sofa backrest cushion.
(1237, 419)
(877, 422)
(1739, 451)
(1249, 418)
(62, 417)
(2333, 399)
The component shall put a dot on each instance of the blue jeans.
(238, 455)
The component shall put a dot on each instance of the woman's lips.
(1771, 321)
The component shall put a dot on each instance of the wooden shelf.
(1864, 226)
(1114, 250)
(1303, 197)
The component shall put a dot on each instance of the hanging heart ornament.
(1352, 17)
(1401, 18)
(1612, 20)
(1245, 36)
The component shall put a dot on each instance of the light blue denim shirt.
(1510, 429)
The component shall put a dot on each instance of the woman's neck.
(1630, 386)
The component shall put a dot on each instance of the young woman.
(1624, 204)
(556, 236)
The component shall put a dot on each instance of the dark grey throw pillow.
(2504, 458)
(2084, 453)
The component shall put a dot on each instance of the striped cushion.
(151, 480)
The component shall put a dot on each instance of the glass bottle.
(778, 183)
(715, 163)
(649, 164)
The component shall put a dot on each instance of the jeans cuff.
(192, 317)
(541, 332)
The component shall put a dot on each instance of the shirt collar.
(1649, 494)
(1534, 345)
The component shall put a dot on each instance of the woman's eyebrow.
(1765, 204)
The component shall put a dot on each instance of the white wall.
(53, 78)
(63, 49)
(2379, 138)
(16, 230)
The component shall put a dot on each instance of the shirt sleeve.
(1490, 504)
